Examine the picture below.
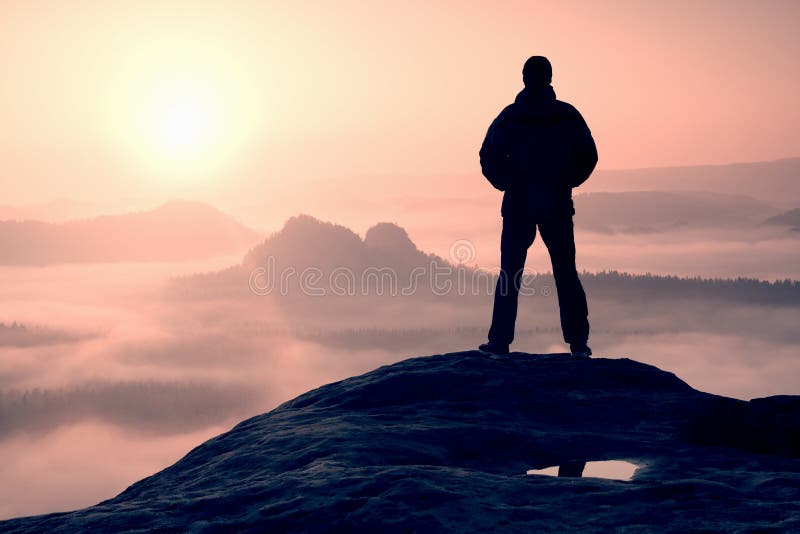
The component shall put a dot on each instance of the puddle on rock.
(608, 469)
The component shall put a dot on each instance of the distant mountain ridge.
(776, 182)
(57, 210)
(176, 230)
(308, 243)
(789, 218)
(305, 241)
(638, 200)
(651, 211)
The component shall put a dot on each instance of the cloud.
(22, 335)
(82, 464)
(148, 406)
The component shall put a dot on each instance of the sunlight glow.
(184, 114)
(184, 124)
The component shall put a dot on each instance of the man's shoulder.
(505, 118)
(508, 111)
(555, 109)
(566, 108)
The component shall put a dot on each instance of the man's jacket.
(537, 150)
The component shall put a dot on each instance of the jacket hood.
(536, 102)
(536, 96)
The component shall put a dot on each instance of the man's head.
(537, 72)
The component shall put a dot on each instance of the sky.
(236, 101)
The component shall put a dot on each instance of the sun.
(184, 117)
(184, 123)
(183, 130)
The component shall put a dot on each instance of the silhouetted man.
(537, 150)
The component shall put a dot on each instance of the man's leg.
(517, 236)
(559, 237)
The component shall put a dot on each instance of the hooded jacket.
(537, 150)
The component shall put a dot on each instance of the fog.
(112, 371)
(666, 232)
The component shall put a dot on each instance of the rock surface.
(443, 443)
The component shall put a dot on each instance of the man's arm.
(495, 160)
(585, 154)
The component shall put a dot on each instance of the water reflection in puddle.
(609, 469)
